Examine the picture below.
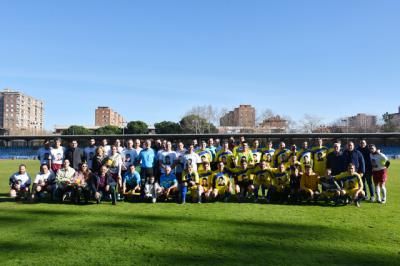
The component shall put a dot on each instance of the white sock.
(383, 192)
(378, 193)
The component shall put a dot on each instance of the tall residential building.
(242, 116)
(361, 123)
(21, 114)
(395, 118)
(105, 116)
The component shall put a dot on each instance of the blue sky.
(153, 60)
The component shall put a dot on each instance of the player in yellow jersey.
(190, 182)
(221, 184)
(352, 184)
(245, 154)
(280, 155)
(205, 176)
(319, 157)
(268, 153)
(280, 187)
(204, 153)
(257, 151)
(243, 177)
(225, 155)
(262, 178)
(309, 184)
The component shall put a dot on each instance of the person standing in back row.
(74, 155)
(367, 177)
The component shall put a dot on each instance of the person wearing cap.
(309, 184)
(168, 184)
(380, 164)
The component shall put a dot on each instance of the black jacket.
(75, 157)
(355, 157)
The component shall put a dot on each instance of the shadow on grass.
(5, 197)
(196, 239)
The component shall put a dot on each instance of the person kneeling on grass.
(20, 183)
(64, 179)
(331, 190)
(309, 184)
(152, 189)
(81, 184)
(262, 178)
(131, 181)
(168, 183)
(352, 184)
(280, 187)
(190, 181)
(105, 185)
(221, 184)
(44, 182)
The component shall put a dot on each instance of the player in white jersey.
(57, 156)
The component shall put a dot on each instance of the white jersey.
(107, 150)
(129, 157)
(193, 159)
(116, 163)
(43, 178)
(57, 155)
(44, 155)
(181, 160)
(167, 158)
(378, 161)
(22, 179)
(90, 153)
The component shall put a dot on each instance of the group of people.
(207, 171)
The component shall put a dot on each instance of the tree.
(388, 125)
(168, 127)
(262, 115)
(109, 130)
(310, 123)
(208, 112)
(195, 124)
(77, 130)
(137, 127)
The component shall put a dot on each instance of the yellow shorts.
(351, 192)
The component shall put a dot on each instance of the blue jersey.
(147, 157)
(167, 181)
(132, 179)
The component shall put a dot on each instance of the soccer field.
(216, 233)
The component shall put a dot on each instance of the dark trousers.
(367, 180)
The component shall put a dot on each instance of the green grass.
(218, 233)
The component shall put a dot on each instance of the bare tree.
(263, 114)
(310, 122)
